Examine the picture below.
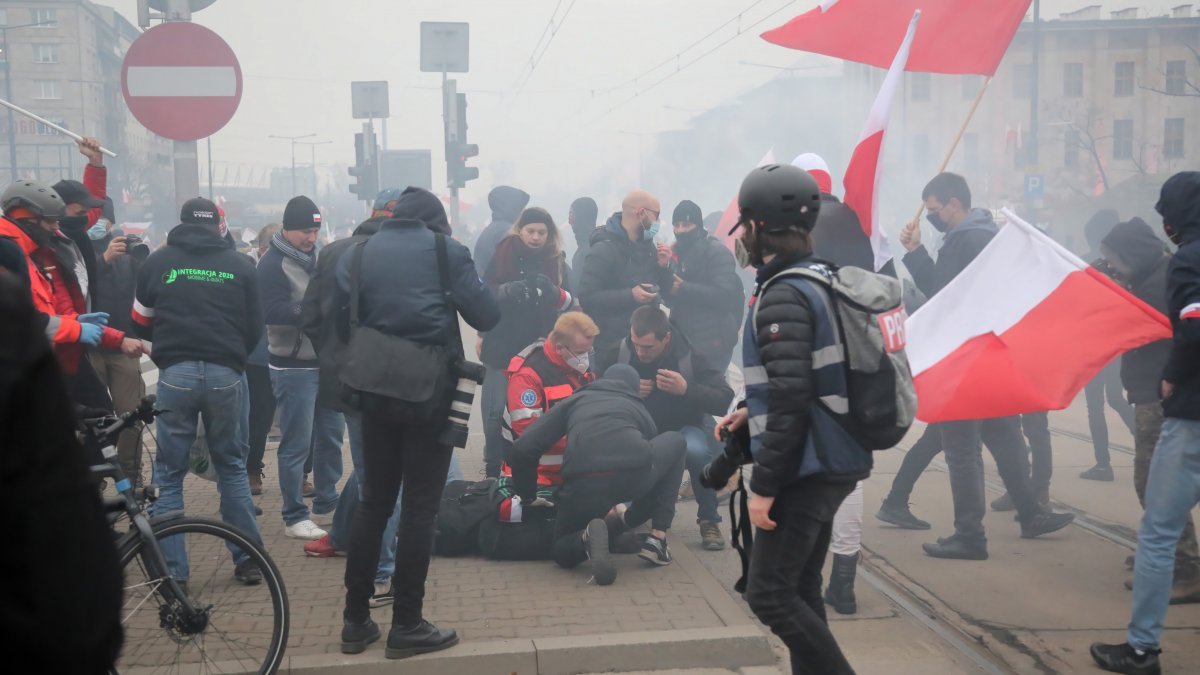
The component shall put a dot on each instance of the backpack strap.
(443, 260)
(355, 277)
(821, 276)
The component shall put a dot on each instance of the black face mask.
(1174, 235)
(935, 219)
(73, 223)
(687, 238)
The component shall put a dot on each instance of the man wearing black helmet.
(795, 489)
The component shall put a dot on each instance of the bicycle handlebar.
(106, 433)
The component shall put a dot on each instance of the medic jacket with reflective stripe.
(537, 381)
(795, 368)
(60, 329)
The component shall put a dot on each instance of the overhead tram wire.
(531, 63)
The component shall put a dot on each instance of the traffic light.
(365, 170)
(458, 150)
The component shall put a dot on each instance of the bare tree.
(1190, 89)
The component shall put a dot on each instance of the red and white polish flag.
(1022, 329)
(865, 170)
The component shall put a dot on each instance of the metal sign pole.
(186, 158)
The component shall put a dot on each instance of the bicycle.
(179, 608)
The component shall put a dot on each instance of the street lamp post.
(12, 124)
(293, 140)
(312, 145)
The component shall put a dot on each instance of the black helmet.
(779, 197)
(36, 197)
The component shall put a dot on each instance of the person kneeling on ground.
(614, 455)
(543, 375)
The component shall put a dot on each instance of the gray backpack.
(870, 321)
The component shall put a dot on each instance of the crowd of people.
(605, 383)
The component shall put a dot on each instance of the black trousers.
(1106, 384)
(784, 584)
(87, 389)
(1037, 431)
(916, 460)
(962, 442)
(395, 455)
(262, 414)
(653, 495)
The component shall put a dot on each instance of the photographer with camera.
(118, 260)
(805, 463)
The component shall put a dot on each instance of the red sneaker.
(321, 548)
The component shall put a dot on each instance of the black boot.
(406, 641)
(840, 594)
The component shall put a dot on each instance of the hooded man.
(582, 219)
(706, 297)
(1173, 486)
(507, 204)
(614, 455)
(968, 231)
(1139, 260)
(197, 301)
(624, 269)
(838, 236)
(284, 274)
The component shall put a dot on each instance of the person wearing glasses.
(624, 269)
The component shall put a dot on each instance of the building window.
(47, 89)
(45, 18)
(1071, 145)
(1122, 139)
(1176, 77)
(1022, 81)
(922, 86)
(1123, 78)
(1073, 80)
(971, 84)
(920, 153)
(45, 54)
(1173, 138)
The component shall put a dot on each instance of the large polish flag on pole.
(865, 171)
(730, 217)
(1022, 329)
(958, 37)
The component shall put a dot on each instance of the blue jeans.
(1172, 491)
(699, 454)
(304, 425)
(191, 391)
(348, 502)
(493, 400)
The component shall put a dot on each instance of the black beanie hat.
(199, 211)
(625, 374)
(688, 212)
(585, 211)
(301, 214)
(423, 205)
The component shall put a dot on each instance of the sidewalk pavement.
(516, 617)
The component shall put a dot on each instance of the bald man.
(624, 269)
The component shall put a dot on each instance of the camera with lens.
(470, 376)
(737, 453)
(136, 246)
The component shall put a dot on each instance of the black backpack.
(465, 504)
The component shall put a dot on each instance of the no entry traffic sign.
(181, 81)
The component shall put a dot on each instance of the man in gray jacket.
(283, 276)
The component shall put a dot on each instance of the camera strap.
(741, 530)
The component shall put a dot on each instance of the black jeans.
(653, 493)
(1037, 431)
(1106, 383)
(784, 584)
(395, 454)
(962, 442)
(262, 414)
(916, 460)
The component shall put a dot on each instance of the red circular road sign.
(181, 81)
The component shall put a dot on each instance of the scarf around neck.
(307, 260)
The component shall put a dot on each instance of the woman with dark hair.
(528, 275)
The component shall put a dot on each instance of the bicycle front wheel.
(236, 624)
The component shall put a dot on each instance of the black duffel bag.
(465, 505)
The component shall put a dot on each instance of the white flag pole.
(52, 125)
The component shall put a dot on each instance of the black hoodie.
(507, 204)
(1146, 255)
(1180, 208)
(197, 300)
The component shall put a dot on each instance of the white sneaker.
(383, 595)
(305, 529)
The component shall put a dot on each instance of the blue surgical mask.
(653, 231)
(98, 231)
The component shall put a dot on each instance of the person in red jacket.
(543, 374)
(32, 212)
